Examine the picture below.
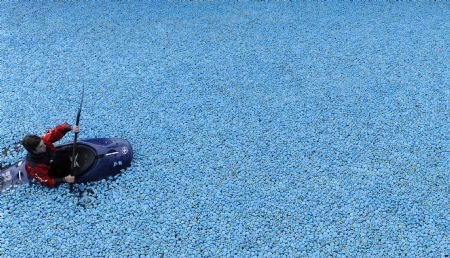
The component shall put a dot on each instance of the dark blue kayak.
(96, 159)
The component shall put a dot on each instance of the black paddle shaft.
(74, 149)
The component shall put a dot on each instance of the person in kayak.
(44, 165)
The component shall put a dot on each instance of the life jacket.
(46, 158)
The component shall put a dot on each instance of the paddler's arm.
(40, 173)
(58, 132)
(67, 179)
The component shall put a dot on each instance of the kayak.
(96, 159)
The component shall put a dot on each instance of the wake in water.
(6, 153)
(12, 172)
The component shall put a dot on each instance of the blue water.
(259, 129)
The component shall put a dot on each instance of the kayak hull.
(96, 159)
(112, 155)
(13, 175)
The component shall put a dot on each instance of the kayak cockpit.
(84, 158)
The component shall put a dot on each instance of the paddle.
(74, 149)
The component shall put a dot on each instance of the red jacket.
(38, 172)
